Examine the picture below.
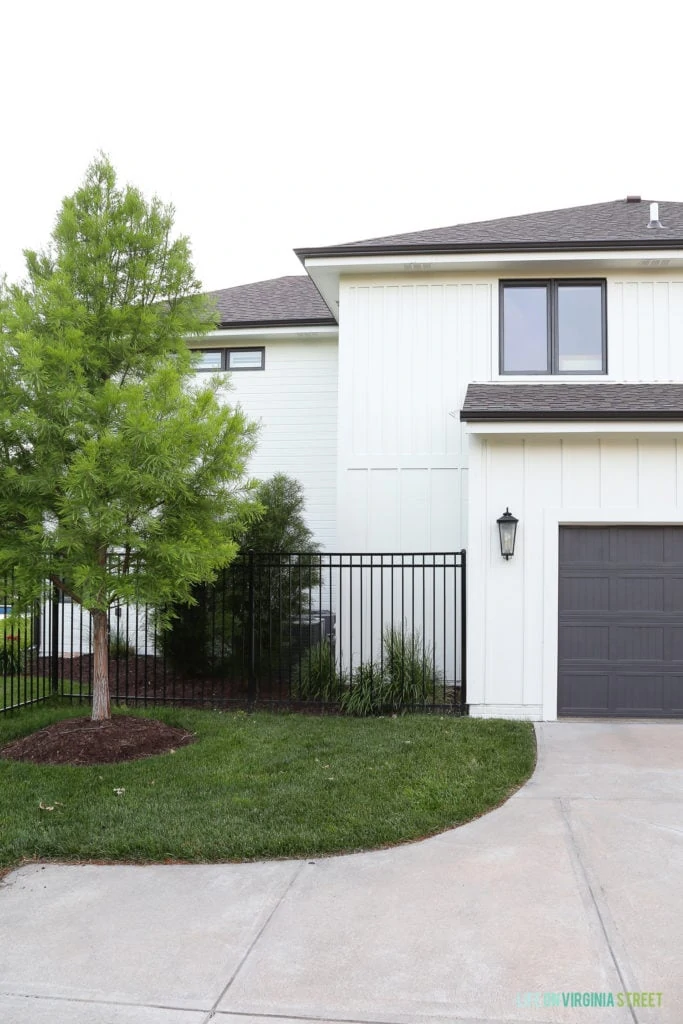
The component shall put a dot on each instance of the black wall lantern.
(507, 529)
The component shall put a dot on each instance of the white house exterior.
(533, 363)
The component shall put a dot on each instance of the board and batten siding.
(295, 401)
(547, 480)
(645, 328)
(408, 348)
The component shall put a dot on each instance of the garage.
(620, 628)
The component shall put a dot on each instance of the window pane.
(525, 323)
(209, 360)
(245, 359)
(579, 328)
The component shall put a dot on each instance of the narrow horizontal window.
(246, 358)
(209, 359)
(553, 327)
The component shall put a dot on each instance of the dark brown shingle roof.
(572, 401)
(282, 301)
(618, 224)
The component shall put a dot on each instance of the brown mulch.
(145, 679)
(79, 741)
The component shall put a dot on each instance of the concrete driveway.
(574, 886)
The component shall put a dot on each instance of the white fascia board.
(526, 427)
(263, 333)
(477, 261)
(326, 271)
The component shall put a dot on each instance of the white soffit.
(243, 334)
(633, 428)
(327, 270)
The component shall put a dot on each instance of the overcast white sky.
(272, 125)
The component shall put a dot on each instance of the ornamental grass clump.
(404, 678)
(318, 678)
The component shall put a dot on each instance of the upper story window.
(553, 327)
(215, 359)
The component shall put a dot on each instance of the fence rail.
(356, 632)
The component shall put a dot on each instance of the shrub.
(403, 679)
(10, 658)
(121, 647)
(317, 678)
(212, 635)
(364, 696)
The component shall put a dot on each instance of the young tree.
(121, 478)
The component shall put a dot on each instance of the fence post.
(55, 640)
(463, 634)
(251, 627)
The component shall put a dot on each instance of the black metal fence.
(361, 633)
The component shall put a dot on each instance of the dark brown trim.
(227, 325)
(483, 248)
(556, 416)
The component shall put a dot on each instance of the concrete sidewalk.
(574, 885)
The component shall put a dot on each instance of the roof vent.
(654, 216)
(632, 199)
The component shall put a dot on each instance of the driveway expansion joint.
(600, 912)
(330, 1019)
(278, 903)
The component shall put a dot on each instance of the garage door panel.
(673, 644)
(583, 641)
(620, 636)
(673, 694)
(673, 544)
(636, 544)
(673, 594)
(584, 544)
(637, 693)
(635, 643)
(636, 594)
(581, 593)
(583, 693)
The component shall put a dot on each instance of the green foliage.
(282, 525)
(15, 638)
(211, 635)
(404, 679)
(317, 677)
(120, 647)
(107, 442)
(10, 659)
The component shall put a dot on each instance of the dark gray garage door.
(621, 621)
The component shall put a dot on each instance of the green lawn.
(261, 785)
(15, 689)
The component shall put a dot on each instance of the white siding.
(295, 401)
(548, 480)
(645, 327)
(408, 348)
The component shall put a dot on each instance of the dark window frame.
(552, 286)
(225, 359)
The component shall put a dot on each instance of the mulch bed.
(79, 741)
(142, 678)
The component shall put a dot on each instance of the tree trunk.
(101, 708)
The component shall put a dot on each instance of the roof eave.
(487, 247)
(507, 416)
(226, 325)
